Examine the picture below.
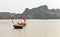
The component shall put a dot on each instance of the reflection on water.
(34, 28)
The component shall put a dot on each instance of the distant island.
(41, 12)
(8, 15)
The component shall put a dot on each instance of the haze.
(18, 6)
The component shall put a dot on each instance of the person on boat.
(20, 16)
(24, 20)
(21, 24)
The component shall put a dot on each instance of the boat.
(18, 26)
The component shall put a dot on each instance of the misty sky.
(18, 6)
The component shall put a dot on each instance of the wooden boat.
(20, 25)
(17, 26)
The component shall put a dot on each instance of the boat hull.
(19, 26)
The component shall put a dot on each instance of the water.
(34, 28)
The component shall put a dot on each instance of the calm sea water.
(34, 28)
